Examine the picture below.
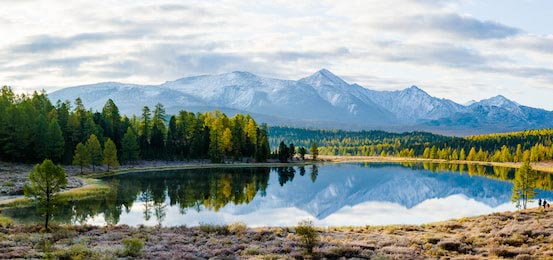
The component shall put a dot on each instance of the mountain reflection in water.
(331, 194)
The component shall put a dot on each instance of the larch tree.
(314, 150)
(46, 180)
(94, 150)
(110, 155)
(130, 147)
(55, 145)
(81, 157)
(524, 188)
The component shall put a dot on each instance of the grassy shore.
(526, 234)
(546, 166)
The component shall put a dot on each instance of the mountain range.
(322, 100)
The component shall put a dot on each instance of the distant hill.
(321, 100)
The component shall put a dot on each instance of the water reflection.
(333, 194)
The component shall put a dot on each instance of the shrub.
(237, 227)
(5, 221)
(76, 252)
(308, 236)
(252, 250)
(212, 228)
(132, 246)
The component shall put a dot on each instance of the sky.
(457, 49)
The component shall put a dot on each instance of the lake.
(338, 194)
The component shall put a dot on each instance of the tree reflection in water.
(212, 189)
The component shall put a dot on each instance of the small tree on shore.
(46, 180)
(81, 158)
(524, 185)
(302, 151)
(314, 150)
(110, 155)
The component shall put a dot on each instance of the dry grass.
(522, 235)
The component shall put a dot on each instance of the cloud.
(385, 44)
(454, 24)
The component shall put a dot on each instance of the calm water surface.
(330, 194)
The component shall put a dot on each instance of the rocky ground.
(521, 235)
(14, 176)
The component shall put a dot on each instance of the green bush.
(212, 228)
(5, 221)
(132, 246)
(76, 252)
(308, 236)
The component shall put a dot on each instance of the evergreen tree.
(292, 151)
(283, 152)
(302, 152)
(110, 155)
(94, 150)
(314, 150)
(524, 188)
(41, 138)
(82, 157)
(46, 180)
(173, 143)
(111, 122)
(56, 143)
(144, 133)
(130, 148)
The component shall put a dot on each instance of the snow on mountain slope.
(130, 98)
(413, 104)
(320, 100)
(342, 96)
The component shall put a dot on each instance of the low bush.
(237, 227)
(308, 236)
(212, 228)
(5, 222)
(76, 252)
(132, 247)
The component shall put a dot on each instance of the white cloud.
(379, 44)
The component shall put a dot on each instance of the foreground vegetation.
(526, 234)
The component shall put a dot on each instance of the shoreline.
(85, 188)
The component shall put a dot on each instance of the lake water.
(329, 194)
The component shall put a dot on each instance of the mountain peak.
(499, 101)
(324, 77)
(414, 89)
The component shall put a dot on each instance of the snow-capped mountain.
(414, 104)
(320, 100)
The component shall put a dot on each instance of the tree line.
(530, 145)
(32, 129)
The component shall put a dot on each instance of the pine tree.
(130, 148)
(94, 150)
(291, 151)
(81, 157)
(110, 155)
(314, 150)
(283, 152)
(524, 188)
(56, 143)
(302, 152)
(46, 180)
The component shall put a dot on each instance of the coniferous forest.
(32, 129)
(531, 145)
